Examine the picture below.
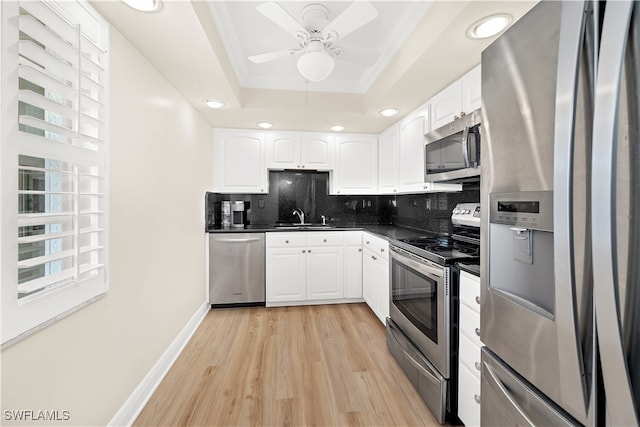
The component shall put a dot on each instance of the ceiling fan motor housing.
(315, 17)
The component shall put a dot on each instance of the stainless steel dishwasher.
(236, 269)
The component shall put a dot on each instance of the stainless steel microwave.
(452, 152)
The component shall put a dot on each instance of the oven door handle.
(416, 264)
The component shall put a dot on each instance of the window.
(53, 155)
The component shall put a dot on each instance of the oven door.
(420, 305)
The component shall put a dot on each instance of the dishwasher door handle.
(237, 240)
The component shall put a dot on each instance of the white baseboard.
(128, 413)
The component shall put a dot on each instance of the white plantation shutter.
(54, 151)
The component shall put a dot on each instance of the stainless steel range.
(424, 307)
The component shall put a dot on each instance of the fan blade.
(280, 17)
(353, 17)
(270, 56)
(359, 56)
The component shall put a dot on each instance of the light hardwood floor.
(322, 365)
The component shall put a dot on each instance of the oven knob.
(467, 211)
(456, 211)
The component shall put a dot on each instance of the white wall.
(90, 362)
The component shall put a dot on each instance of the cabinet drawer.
(470, 354)
(468, 397)
(470, 323)
(470, 291)
(332, 238)
(353, 238)
(280, 240)
(376, 245)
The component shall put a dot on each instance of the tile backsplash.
(309, 191)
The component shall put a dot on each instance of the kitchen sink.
(306, 226)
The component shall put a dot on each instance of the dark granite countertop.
(389, 232)
(469, 268)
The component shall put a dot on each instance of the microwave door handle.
(615, 371)
(465, 146)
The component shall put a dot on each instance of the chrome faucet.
(300, 214)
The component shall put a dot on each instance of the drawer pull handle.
(381, 249)
(476, 398)
(478, 300)
(303, 251)
(309, 251)
(286, 241)
(367, 242)
(325, 240)
(478, 366)
(359, 249)
(478, 331)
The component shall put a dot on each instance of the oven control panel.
(466, 214)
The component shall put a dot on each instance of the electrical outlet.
(413, 203)
(261, 203)
(428, 204)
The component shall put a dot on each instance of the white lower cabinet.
(286, 274)
(469, 350)
(325, 273)
(353, 265)
(375, 275)
(313, 267)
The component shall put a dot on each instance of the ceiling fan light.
(315, 66)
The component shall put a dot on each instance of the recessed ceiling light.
(337, 128)
(489, 26)
(144, 5)
(265, 125)
(388, 112)
(214, 103)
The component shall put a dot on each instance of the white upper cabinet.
(471, 82)
(459, 98)
(388, 161)
(356, 169)
(411, 150)
(239, 162)
(300, 150)
(446, 105)
(317, 151)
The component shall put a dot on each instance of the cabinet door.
(356, 169)
(412, 159)
(446, 104)
(238, 162)
(284, 151)
(383, 288)
(471, 93)
(286, 275)
(316, 151)
(369, 280)
(388, 161)
(325, 274)
(353, 272)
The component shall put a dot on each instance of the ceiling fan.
(317, 37)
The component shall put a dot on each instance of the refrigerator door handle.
(493, 380)
(572, 381)
(620, 403)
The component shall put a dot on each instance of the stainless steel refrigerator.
(560, 303)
